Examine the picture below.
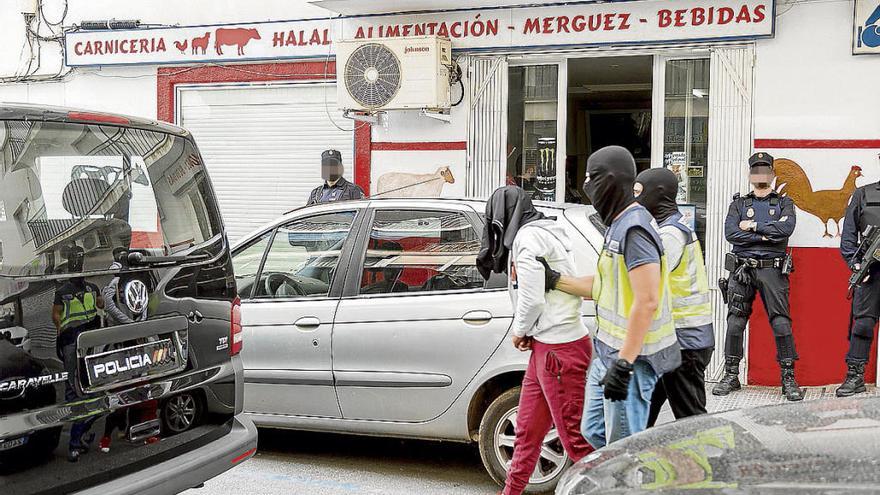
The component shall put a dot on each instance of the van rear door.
(117, 304)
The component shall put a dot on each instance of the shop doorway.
(609, 103)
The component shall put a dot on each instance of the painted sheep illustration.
(406, 185)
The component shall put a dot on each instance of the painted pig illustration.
(234, 36)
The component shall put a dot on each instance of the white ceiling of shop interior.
(610, 70)
(359, 7)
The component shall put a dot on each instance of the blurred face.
(761, 176)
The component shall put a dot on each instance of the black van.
(120, 324)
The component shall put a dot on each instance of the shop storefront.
(691, 86)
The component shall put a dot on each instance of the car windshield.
(72, 195)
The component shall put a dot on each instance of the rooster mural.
(825, 205)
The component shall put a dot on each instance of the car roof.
(478, 204)
(47, 113)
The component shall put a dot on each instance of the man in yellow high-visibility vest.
(684, 388)
(74, 311)
(635, 341)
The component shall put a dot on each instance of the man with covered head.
(517, 239)
(684, 388)
(635, 341)
(758, 225)
(335, 187)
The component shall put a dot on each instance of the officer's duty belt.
(760, 263)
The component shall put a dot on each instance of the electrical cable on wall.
(34, 44)
(455, 76)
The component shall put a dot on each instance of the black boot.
(790, 388)
(730, 381)
(855, 379)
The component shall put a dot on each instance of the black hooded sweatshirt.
(508, 209)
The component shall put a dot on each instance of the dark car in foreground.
(120, 323)
(825, 446)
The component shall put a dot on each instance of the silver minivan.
(370, 317)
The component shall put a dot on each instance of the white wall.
(411, 127)
(810, 86)
(126, 90)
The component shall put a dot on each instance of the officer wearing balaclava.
(635, 342)
(684, 388)
(335, 187)
(759, 225)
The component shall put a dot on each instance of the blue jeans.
(605, 421)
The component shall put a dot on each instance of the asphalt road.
(324, 464)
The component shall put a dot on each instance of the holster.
(722, 286)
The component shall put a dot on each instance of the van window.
(73, 193)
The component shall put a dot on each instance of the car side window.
(304, 256)
(420, 251)
(246, 264)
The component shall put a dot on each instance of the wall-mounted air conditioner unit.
(393, 73)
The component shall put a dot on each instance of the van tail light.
(235, 335)
(101, 118)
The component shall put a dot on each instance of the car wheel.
(180, 413)
(497, 434)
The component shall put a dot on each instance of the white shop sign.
(581, 24)
(866, 27)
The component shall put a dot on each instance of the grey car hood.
(827, 446)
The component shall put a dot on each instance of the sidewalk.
(753, 396)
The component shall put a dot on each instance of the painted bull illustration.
(234, 36)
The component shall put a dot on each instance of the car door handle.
(307, 323)
(477, 317)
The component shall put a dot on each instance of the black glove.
(616, 380)
(551, 276)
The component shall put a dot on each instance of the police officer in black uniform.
(335, 187)
(759, 225)
(863, 211)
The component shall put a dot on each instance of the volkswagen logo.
(136, 296)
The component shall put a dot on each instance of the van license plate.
(131, 363)
(11, 444)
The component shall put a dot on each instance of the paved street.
(320, 464)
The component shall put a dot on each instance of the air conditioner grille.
(372, 75)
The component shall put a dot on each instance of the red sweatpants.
(552, 393)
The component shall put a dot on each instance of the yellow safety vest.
(77, 311)
(614, 296)
(689, 287)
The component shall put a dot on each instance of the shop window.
(531, 129)
(686, 135)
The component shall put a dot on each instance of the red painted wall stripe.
(167, 78)
(421, 146)
(818, 143)
(363, 154)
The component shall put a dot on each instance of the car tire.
(180, 413)
(496, 444)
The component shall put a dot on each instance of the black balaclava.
(611, 174)
(659, 188)
(331, 165)
(508, 209)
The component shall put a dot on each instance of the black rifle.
(867, 254)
